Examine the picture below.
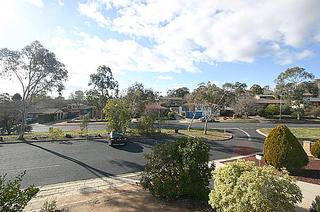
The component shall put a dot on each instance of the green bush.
(55, 133)
(171, 115)
(272, 110)
(49, 206)
(178, 169)
(12, 197)
(282, 149)
(243, 186)
(315, 149)
(146, 126)
(315, 207)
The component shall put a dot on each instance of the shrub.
(282, 149)
(315, 149)
(12, 197)
(171, 115)
(272, 110)
(243, 186)
(49, 206)
(145, 126)
(315, 207)
(178, 169)
(55, 133)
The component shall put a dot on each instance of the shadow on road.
(93, 170)
(132, 147)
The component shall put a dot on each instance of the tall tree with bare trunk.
(37, 70)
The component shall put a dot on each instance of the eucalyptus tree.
(291, 85)
(210, 97)
(36, 69)
(104, 88)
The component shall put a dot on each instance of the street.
(56, 162)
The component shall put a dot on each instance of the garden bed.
(212, 134)
(310, 173)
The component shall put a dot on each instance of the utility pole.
(159, 115)
(280, 107)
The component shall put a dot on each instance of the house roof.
(269, 101)
(155, 107)
(46, 111)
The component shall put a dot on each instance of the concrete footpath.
(123, 193)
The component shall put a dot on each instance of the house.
(156, 108)
(173, 103)
(78, 110)
(45, 115)
(198, 111)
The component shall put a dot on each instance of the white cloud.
(37, 3)
(165, 77)
(92, 11)
(219, 31)
(61, 3)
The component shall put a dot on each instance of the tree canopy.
(37, 70)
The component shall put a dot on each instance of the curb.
(261, 133)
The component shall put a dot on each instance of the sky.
(167, 44)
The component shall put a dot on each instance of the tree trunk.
(23, 121)
(205, 127)
(190, 124)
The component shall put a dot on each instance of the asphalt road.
(55, 162)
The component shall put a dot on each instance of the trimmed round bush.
(243, 186)
(282, 149)
(315, 149)
(178, 169)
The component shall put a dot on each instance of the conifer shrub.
(315, 149)
(178, 169)
(282, 149)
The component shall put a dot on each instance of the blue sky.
(169, 43)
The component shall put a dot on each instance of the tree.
(290, 84)
(117, 115)
(104, 88)
(282, 149)
(77, 97)
(246, 106)
(16, 97)
(179, 92)
(256, 89)
(10, 115)
(84, 123)
(211, 98)
(243, 186)
(138, 97)
(36, 69)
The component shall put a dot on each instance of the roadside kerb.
(261, 133)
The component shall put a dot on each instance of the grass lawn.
(244, 120)
(39, 135)
(214, 135)
(300, 133)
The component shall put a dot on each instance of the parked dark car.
(117, 138)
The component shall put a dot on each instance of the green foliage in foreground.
(178, 169)
(315, 207)
(12, 197)
(282, 149)
(242, 186)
